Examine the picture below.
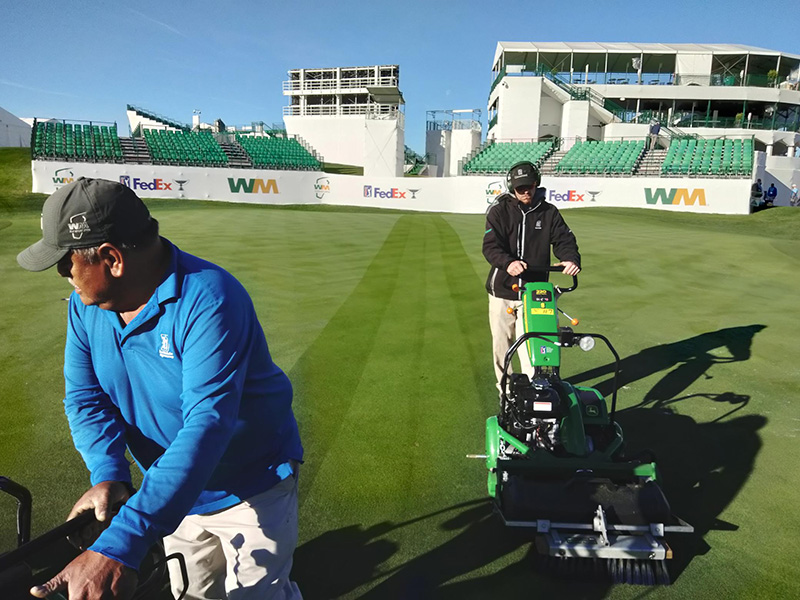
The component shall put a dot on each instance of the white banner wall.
(470, 195)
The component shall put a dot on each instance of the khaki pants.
(506, 328)
(241, 552)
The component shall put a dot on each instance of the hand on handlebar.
(570, 268)
(516, 268)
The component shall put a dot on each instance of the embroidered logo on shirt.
(164, 351)
(538, 225)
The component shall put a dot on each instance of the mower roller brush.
(554, 455)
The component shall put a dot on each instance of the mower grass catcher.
(555, 459)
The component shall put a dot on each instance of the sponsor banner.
(469, 195)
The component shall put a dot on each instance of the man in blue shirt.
(165, 357)
(772, 195)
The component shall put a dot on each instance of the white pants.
(506, 328)
(241, 552)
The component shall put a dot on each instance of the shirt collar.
(170, 287)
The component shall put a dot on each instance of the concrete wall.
(462, 143)
(383, 148)
(338, 139)
(550, 115)
(437, 145)
(518, 114)
(575, 122)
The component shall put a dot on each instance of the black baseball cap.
(522, 174)
(84, 214)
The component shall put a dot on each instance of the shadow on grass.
(703, 467)
(339, 562)
(688, 360)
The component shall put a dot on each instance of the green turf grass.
(380, 320)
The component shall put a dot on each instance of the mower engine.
(533, 412)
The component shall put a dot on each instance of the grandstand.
(277, 153)
(158, 140)
(498, 157)
(568, 108)
(184, 147)
(709, 157)
(717, 106)
(88, 142)
(601, 158)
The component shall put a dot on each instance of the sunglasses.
(523, 189)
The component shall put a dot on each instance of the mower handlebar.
(552, 269)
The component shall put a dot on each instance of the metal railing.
(683, 79)
(338, 84)
(341, 109)
(153, 116)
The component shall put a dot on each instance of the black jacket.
(515, 231)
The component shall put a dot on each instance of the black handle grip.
(44, 540)
(552, 269)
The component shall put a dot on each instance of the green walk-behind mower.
(557, 466)
(35, 561)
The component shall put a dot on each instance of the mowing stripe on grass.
(393, 484)
(327, 373)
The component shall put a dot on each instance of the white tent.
(13, 131)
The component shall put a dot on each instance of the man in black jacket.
(520, 228)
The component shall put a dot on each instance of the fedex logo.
(141, 184)
(569, 196)
(376, 192)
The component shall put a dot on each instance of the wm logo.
(675, 196)
(251, 186)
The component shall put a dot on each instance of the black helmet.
(523, 173)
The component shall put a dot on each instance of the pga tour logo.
(376, 192)
(141, 184)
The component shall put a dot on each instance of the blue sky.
(88, 59)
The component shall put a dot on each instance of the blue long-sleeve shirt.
(189, 387)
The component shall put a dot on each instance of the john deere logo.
(592, 411)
